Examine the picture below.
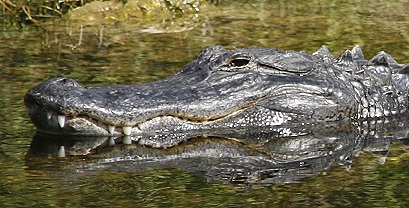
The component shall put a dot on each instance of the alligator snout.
(63, 82)
(55, 85)
(55, 95)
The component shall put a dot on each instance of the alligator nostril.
(67, 82)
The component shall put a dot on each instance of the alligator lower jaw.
(77, 125)
(94, 127)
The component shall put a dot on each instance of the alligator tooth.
(111, 141)
(49, 114)
(127, 140)
(138, 129)
(61, 152)
(142, 141)
(127, 130)
(61, 121)
(111, 129)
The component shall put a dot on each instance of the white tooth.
(142, 141)
(61, 121)
(61, 152)
(111, 141)
(127, 140)
(49, 114)
(127, 130)
(137, 129)
(111, 129)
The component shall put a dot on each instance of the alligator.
(229, 89)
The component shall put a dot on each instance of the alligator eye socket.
(238, 62)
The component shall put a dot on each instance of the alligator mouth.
(65, 121)
(81, 124)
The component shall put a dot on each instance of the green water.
(126, 51)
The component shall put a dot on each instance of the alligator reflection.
(238, 157)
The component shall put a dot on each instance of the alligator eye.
(238, 62)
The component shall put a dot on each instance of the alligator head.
(242, 88)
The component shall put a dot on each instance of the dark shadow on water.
(235, 157)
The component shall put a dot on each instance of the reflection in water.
(234, 157)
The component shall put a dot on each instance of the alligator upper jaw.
(62, 106)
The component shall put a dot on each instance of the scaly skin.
(219, 89)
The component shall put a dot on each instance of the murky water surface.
(126, 51)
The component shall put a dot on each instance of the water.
(128, 51)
